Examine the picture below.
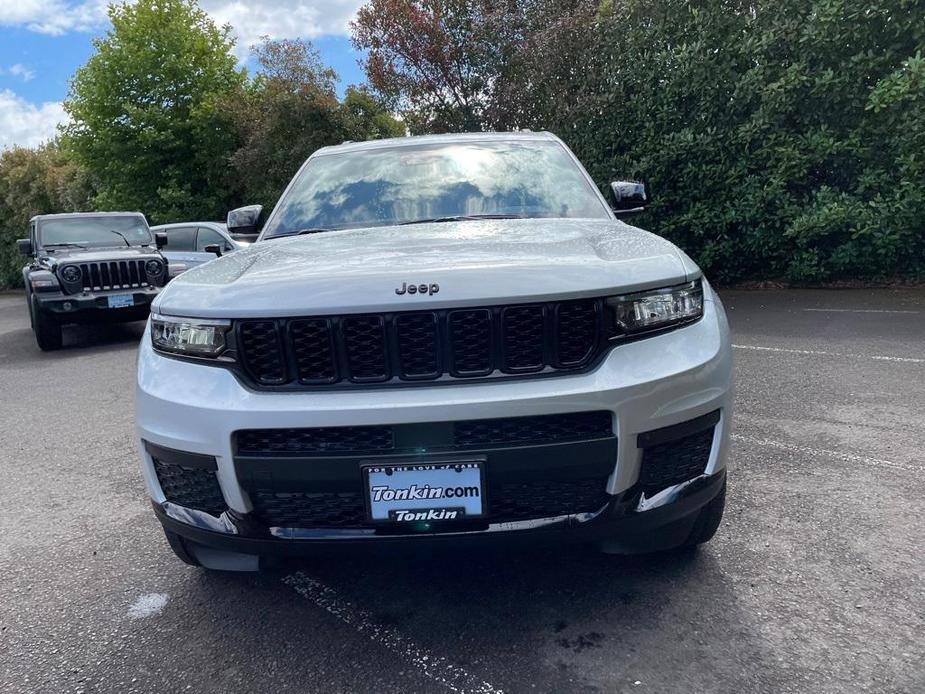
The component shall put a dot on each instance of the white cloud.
(54, 17)
(25, 124)
(250, 19)
(19, 70)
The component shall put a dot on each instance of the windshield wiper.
(66, 244)
(463, 218)
(121, 235)
(310, 230)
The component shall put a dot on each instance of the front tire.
(47, 330)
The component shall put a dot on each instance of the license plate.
(433, 492)
(121, 300)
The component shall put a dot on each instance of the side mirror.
(628, 196)
(25, 247)
(245, 220)
(214, 248)
(160, 239)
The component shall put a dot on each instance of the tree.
(289, 110)
(145, 122)
(34, 181)
(437, 61)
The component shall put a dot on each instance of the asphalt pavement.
(814, 583)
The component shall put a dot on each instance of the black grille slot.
(676, 461)
(422, 345)
(470, 342)
(523, 331)
(364, 341)
(318, 441)
(580, 426)
(193, 488)
(417, 345)
(577, 329)
(263, 353)
(313, 349)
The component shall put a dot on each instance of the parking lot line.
(822, 353)
(824, 452)
(434, 667)
(859, 310)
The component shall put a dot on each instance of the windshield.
(408, 184)
(94, 232)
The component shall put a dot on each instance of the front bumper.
(94, 306)
(653, 384)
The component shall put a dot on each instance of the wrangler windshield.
(435, 182)
(109, 230)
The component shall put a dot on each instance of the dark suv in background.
(89, 267)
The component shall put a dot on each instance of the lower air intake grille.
(190, 487)
(676, 461)
(507, 503)
(434, 436)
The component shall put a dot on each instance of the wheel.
(47, 330)
(707, 522)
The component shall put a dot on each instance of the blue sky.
(43, 41)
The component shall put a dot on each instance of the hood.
(479, 262)
(92, 255)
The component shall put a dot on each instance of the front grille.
(506, 503)
(675, 461)
(421, 345)
(193, 488)
(461, 435)
(526, 500)
(555, 428)
(114, 274)
(318, 441)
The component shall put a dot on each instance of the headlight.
(71, 274)
(154, 267)
(659, 308)
(190, 336)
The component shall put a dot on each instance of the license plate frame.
(428, 473)
(120, 300)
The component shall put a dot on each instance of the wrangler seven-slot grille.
(113, 274)
(421, 345)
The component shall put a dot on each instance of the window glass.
(180, 239)
(94, 232)
(411, 183)
(209, 236)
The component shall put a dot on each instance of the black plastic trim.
(171, 456)
(677, 431)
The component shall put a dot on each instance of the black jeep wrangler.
(89, 267)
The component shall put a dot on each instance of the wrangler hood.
(479, 262)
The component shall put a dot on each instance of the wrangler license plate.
(433, 492)
(121, 300)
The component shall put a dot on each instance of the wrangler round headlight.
(659, 308)
(154, 267)
(190, 336)
(71, 274)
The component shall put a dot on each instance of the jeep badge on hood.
(406, 288)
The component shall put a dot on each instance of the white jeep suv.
(437, 339)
